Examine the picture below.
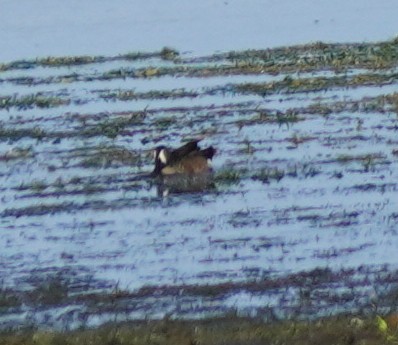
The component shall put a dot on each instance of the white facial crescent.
(162, 156)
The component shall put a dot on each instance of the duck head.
(161, 155)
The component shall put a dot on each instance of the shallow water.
(92, 27)
(76, 208)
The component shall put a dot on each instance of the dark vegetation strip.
(165, 53)
(343, 330)
(296, 85)
(58, 289)
(33, 100)
(315, 56)
(287, 85)
(229, 329)
(304, 58)
(113, 124)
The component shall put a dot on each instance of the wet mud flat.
(301, 223)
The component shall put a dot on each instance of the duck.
(189, 159)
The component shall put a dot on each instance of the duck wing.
(183, 151)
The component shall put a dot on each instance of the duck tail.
(209, 152)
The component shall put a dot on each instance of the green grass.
(232, 330)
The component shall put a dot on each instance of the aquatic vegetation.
(8, 298)
(322, 55)
(52, 291)
(15, 134)
(27, 102)
(166, 53)
(111, 128)
(319, 56)
(304, 176)
(361, 158)
(106, 156)
(128, 95)
(268, 174)
(229, 176)
(16, 152)
(314, 84)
